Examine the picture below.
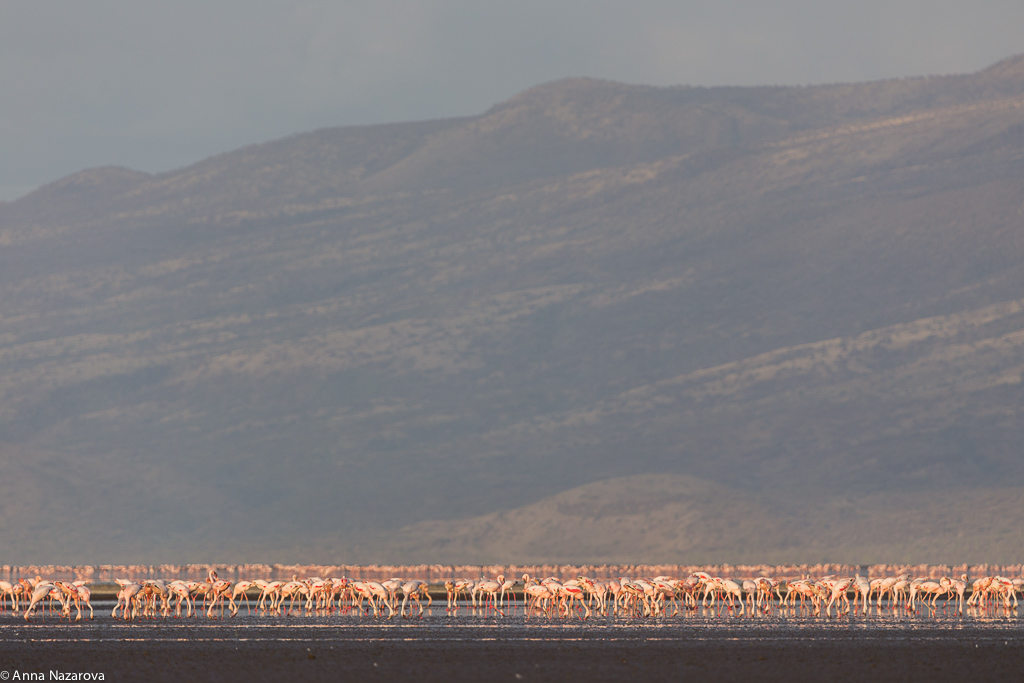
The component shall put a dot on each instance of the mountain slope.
(789, 293)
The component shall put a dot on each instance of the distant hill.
(660, 517)
(757, 320)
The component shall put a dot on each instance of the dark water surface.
(477, 645)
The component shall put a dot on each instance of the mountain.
(341, 345)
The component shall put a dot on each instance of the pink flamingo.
(507, 587)
(413, 590)
(39, 593)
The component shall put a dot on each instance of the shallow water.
(705, 644)
(439, 623)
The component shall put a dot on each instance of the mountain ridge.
(1005, 78)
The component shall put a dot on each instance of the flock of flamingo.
(581, 597)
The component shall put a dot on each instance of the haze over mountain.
(753, 321)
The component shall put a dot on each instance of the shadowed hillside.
(337, 346)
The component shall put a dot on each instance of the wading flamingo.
(413, 590)
(39, 593)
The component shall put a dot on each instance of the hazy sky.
(155, 86)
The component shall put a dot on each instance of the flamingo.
(76, 593)
(765, 587)
(1018, 586)
(665, 589)
(978, 589)
(124, 599)
(686, 590)
(292, 590)
(945, 588)
(449, 585)
(900, 590)
(39, 592)
(553, 585)
(700, 581)
(634, 594)
(464, 587)
(750, 590)
(732, 590)
(507, 589)
(65, 592)
(884, 586)
(269, 589)
(218, 592)
(151, 590)
(377, 594)
(7, 589)
(362, 592)
(837, 591)
(863, 591)
(320, 594)
(490, 588)
(960, 586)
(30, 584)
(341, 588)
(1004, 588)
(239, 592)
(541, 596)
(600, 593)
(614, 587)
(539, 593)
(648, 595)
(712, 586)
(921, 586)
(204, 589)
(596, 591)
(83, 595)
(323, 591)
(805, 589)
(573, 592)
(181, 592)
(392, 586)
(414, 590)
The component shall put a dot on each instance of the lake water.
(785, 645)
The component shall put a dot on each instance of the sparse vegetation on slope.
(794, 295)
